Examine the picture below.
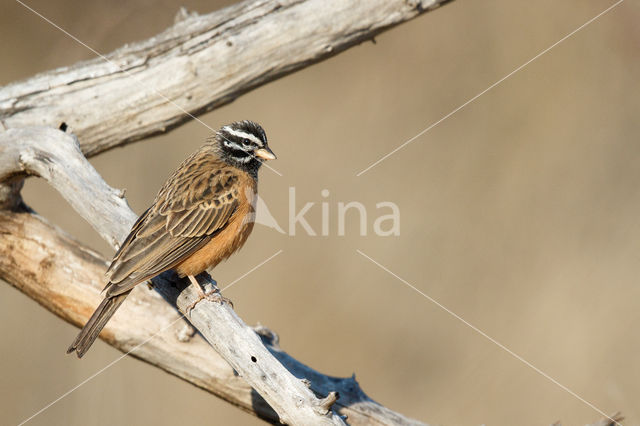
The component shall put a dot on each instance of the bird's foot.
(211, 293)
(213, 296)
(217, 297)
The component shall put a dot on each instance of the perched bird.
(202, 214)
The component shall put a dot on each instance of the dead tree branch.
(200, 63)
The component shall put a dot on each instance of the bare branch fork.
(140, 90)
(67, 278)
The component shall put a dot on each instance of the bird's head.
(243, 144)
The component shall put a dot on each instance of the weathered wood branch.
(66, 278)
(200, 63)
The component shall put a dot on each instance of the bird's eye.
(246, 142)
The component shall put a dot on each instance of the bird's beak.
(265, 153)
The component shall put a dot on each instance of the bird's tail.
(96, 323)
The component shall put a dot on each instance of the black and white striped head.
(244, 144)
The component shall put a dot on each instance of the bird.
(202, 214)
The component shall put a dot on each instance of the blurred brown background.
(519, 213)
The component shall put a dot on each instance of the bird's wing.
(197, 201)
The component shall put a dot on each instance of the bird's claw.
(213, 296)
